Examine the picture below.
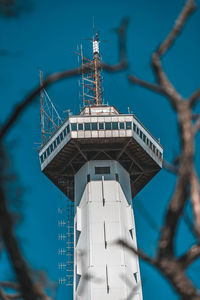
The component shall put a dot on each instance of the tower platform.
(100, 133)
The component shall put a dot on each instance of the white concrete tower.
(104, 215)
(101, 159)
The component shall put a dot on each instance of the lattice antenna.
(42, 107)
(49, 117)
(91, 79)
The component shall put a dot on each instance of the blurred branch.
(17, 260)
(3, 296)
(194, 98)
(170, 167)
(187, 181)
(196, 126)
(151, 86)
(138, 252)
(195, 198)
(190, 256)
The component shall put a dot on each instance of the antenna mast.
(91, 78)
(42, 107)
(50, 120)
(97, 73)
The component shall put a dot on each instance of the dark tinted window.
(114, 125)
(41, 159)
(134, 127)
(101, 126)
(141, 134)
(48, 151)
(94, 126)
(51, 147)
(67, 128)
(54, 143)
(144, 137)
(64, 132)
(108, 126)
(87, 126)
(58, 140)
(102, 170)
(61, 136)
(45, 155)
(73, 126)
(128, 125)
(80, 126)
(121, 125)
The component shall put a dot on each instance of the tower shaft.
(102, 269)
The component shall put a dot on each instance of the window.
(73, 126)
(137, 130)
(157, 152)
(128, 125)
(41, 159)
(58, 140)
(108, 125)
(80, 126)
(101, 126)
(121, 125)
(154, 149)
(64, 132)
(94, 126)
(134, 127)
(160, 154)
(51, 147)
(87, 126)
(54, 144)
(147, 141)
(67, 128)
(141, 134)
(114, 125)
(151, 145)
(144, 137)
(61, 136)
(45, 155)
(48, 151)
(102, 170)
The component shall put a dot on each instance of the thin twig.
(194, 98)
(190, 256)
(195, 198)
(151, 86)
(138, 252)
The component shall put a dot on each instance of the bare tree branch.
(196, 126)
(3, 296)
(195, 198)
(170, 167)
(9, 284)
(151, 86)
(189, 257)
(194, 98)
(188, 8)
(173, 95)
(138, 252)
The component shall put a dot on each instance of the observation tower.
(100, 159)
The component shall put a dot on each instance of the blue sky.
(45, 37)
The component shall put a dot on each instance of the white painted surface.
(104, 215)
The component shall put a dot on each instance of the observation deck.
(100, 133)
